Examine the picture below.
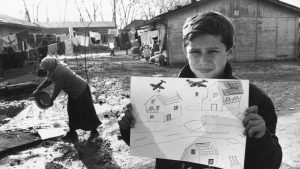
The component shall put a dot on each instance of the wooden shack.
(264, 29)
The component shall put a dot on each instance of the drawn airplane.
(198, 84)
(158, 85)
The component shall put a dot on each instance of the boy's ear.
(183, 48)
(230, 53)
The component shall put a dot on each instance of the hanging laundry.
(95, 37)
(52, 49)
(62, 37)
(61, 48)
(75, 41)
(84, 40)
(30, 41)
(43, 51)
(32, 54)
(104, 38)
(69, 47)
(21, 38)
(111, 38)
(10, 41)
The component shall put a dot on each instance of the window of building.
(152, 101)
(193, 151)
(197, 94)
(215, 95)
(175, 107)
(151, 116)
(157, 107)
(151, 108)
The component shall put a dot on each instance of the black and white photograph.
(140, 84)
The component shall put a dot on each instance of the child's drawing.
(195, 120)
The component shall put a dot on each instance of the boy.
(207, 43)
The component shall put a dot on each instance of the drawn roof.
(231, 87)
(169, 100)
(205, 149)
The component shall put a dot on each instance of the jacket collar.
(186, 72)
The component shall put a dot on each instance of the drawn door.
(168, 117)
(214, 107)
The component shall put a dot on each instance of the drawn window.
(215, 95)
(151, 108)
(151, 116)
(193, 151)
(227, 100)
(157, 107)
(168, 117)
(197, 94)
(175, 107)
(152, 101)
(210, 161)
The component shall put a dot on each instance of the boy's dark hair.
(212, 23)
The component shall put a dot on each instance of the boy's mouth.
(205, 70)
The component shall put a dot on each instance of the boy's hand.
(127, 120)
(51, 103)
(254, 124)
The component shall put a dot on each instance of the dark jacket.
(262, 153)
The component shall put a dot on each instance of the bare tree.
(100, 7)
(81, 18)
(37, 11)
(150, 9)
(87, 11)
(26, 12)
(126, 11)
(66, 4)
(95, 8)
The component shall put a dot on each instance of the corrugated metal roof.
(78, 24)
(8, 20)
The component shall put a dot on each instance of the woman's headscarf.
(50, 64)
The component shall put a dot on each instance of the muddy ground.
(109, 78)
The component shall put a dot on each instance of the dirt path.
(110, 83)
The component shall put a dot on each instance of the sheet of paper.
(190, 119)
(51, 133)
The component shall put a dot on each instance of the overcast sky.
(56, 9)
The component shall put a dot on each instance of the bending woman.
(81, 111)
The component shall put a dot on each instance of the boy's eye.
(195, 52)
(212, 51)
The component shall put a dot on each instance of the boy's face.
(207, 55)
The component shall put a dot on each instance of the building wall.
(263, 31)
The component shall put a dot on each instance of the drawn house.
(201, 153)
(223, 93)
(163, 108)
